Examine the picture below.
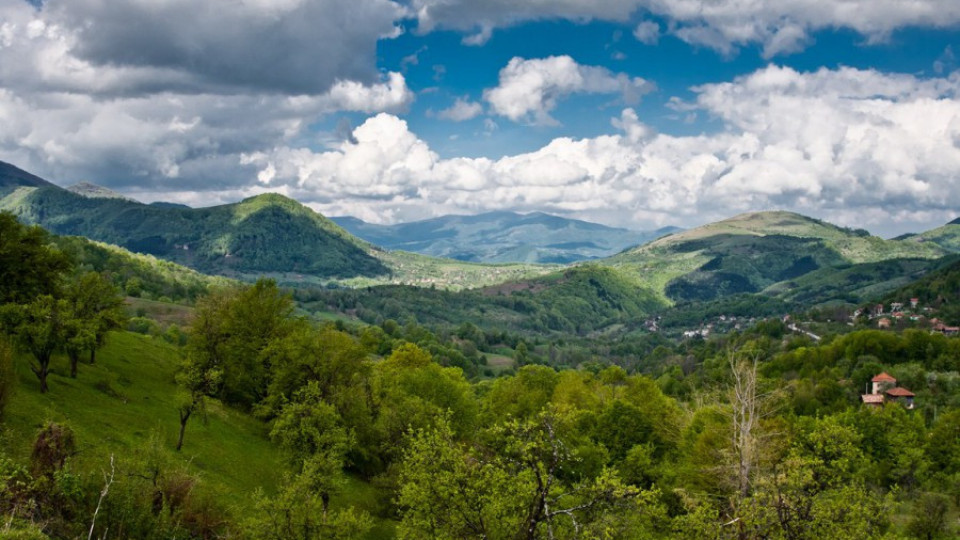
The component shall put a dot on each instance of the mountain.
(94, 191)
(751, 252)
(498, 237)
(13, 178)
(946, 237)
(263, 234)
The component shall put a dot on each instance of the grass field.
(129, 397)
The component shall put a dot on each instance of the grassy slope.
(127, 397)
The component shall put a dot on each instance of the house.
(896, 306)
(884, 389)
(944, 329)
(877, 310)
(882, 382)
(883, 323)
(914, 302)
(900, 395)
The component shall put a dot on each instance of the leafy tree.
(292, 514)
(929, 517)
(96, 302)
(231, 328)
(199, 378)
(40, 329)
(29, 266)
(513, 486)
(312, 434)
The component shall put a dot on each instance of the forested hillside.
(267, 233)
(751, 252)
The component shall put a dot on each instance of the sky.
(630, 113)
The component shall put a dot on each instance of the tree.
(96, 302)
(29, 266)
(231, 329)
(513, 484)
(929, 519)
(199, 378)
(311, 433)
(40, 329)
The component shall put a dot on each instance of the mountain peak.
(955, 222)
(93, 191)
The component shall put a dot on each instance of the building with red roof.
(885, 389)
(881, 382)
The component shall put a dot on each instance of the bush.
(142, 325)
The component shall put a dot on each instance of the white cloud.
(780, 26)
(461, 110)
(530, 89)
(647, 32)
(857, 147)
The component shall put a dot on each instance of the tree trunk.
(93, 355)
(183, 426)
(41, 371)
(74, 360)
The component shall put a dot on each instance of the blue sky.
(634, 113)
(672, 64)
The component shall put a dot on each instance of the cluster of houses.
(900, 311)
(884, 389)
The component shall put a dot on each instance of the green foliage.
(929, 517)
(136, 274)
(29, 265)
(297, 513)
(231, 328)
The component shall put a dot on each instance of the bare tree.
(745, 412)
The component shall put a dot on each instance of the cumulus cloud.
(462, 109)
(169, 93)
(724, 25)
(855, 146)
(530, 89)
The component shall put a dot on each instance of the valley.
(327, 384)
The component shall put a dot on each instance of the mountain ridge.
(502, 236)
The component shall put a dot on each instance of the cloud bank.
(860, 147)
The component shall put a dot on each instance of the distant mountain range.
(780, 255)
(500, 237)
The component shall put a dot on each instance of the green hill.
(946, 237)
(751, 252)
(267, 233)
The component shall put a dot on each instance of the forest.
(258, 419)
